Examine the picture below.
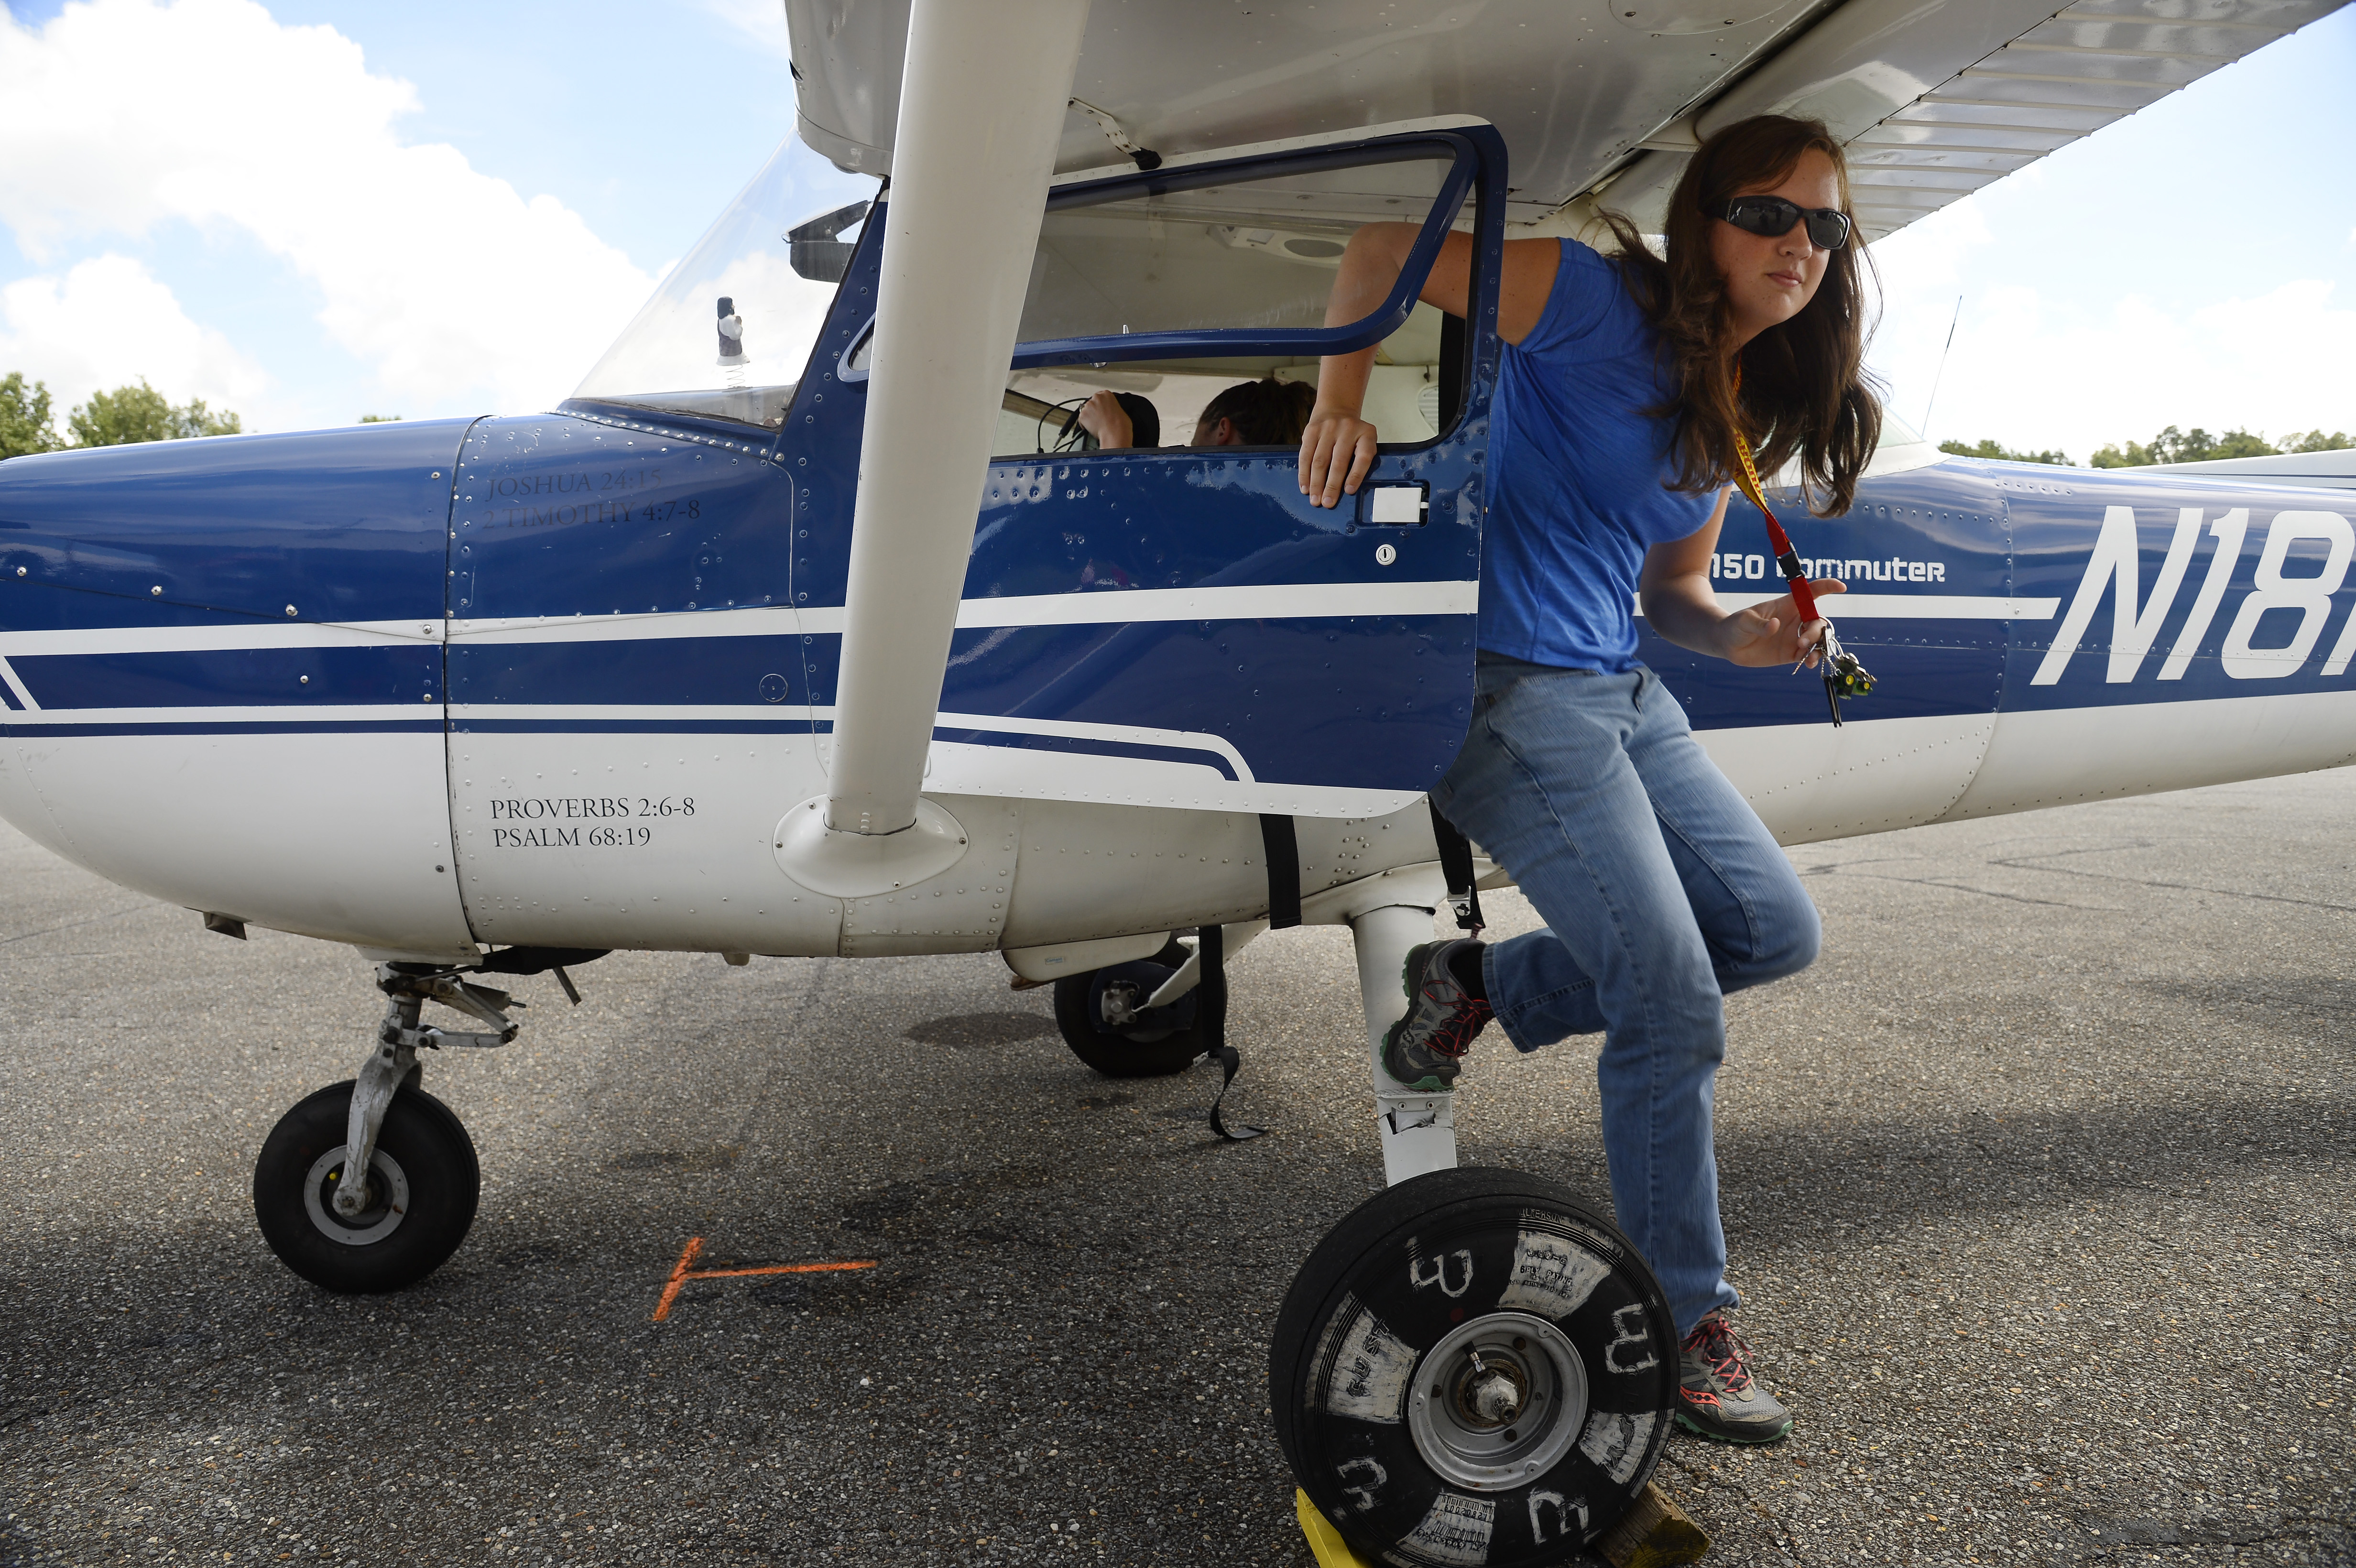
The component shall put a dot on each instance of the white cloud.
(2030, 370)
(119, 115)
(107, 322)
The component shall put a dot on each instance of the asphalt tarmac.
(2040, 1189)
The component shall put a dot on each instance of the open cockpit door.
(1175, 624)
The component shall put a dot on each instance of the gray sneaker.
(1717, 1396)
(1425, 1050)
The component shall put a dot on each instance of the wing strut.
(982, 100)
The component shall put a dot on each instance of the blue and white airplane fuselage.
(553, 679)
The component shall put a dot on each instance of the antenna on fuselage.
(1943, 367)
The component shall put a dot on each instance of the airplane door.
(1176, 625)
(624, 713)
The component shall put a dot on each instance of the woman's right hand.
(1336, 449)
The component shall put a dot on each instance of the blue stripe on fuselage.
(686, 672)
(239, 678)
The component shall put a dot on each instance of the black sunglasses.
(1772, 216)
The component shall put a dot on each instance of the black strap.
(1284, 849)
(1456, 866)
(1211, 1022)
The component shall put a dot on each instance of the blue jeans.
(1662, 891)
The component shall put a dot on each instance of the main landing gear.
(1136, 1020)
(1106, 1018)
(1472, 1367)
(396, 1223)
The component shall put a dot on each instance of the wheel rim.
(388, 1198)
(1498, 1401)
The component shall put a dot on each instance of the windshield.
(731, 326)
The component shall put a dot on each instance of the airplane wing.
(1934, 98)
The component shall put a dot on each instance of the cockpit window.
(1175, 285)
(730, 327)
(1257, 254)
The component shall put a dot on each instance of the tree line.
(118, 418)
(2170, 446)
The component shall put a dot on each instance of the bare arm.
(1338, 447)
(1683, 607)
(1103, 417)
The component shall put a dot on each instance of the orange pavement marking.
(678, 1277)
(777, 1268)
(682, 1271)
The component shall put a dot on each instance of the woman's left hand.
(1773, 632)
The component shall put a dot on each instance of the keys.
(1842, 675)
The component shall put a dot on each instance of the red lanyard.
(1787, 559)
(1844, 676)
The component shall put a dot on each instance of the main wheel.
(1472, 1367)
(423, 1183)
(1142, 1044)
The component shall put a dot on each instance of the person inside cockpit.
(1266, 412)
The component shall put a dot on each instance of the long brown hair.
(1804, 389)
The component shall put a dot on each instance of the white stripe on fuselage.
(8, 679)
(1259, 602)
(791, 713)
(1907, 606)
(244, 713)
(229, 637)
(1103, 607)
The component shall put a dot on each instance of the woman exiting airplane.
(1629, 391)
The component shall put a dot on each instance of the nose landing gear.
(1471, 1367)
(411, 1207)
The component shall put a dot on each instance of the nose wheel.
(415, 1206)
(371, 1184)
(1474, 1367)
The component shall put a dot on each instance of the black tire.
(1371, 1330)
(421, 1150)
(1155, 1046)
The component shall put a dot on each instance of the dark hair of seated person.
(1266, 412)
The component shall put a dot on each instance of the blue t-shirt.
(1579, 472)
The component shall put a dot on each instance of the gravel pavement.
(2040, 1189)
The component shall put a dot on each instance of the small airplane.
(813, 625)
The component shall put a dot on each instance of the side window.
(1177, 286)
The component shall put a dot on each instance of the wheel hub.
(387, 1198)
(1498, 1401)
(1120, 1001)
(1491, 1393)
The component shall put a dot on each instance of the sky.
(310, 210)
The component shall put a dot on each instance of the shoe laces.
(1723, 1351)
(1465, 1020)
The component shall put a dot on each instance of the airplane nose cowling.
(345, 525)
(221, 674)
